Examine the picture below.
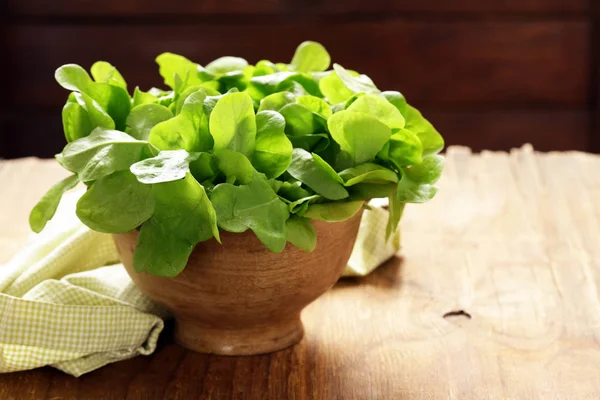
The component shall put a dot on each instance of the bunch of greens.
(233, 146)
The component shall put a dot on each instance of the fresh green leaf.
(45, 209)
(282, 67)
(295, 88)
(273, 151)
(333, 212)
(98, 117)
(223, 65)
(140, 97)
(171, 64)
(254, 206)
(144, 117)
(211, 101)
(76, 122)
(432, 141)
(192, 89)
(324, 166)
(188, 130)
(367, 191)
(73, 77)
(264, 67)
(168, 165)
(232, 123)
(233, 80)
(351, 100)
(276, 101)
(173, 134)
(334, 89)
(299, 120)
(204, 167)
(379, 108)
(404, 148)
(397, 99)
(300, 209)
(275, 184)
(316, 105)
(305, 81)
(349, 129)
(236, 166)
(101, 153)
(395, 208)
(167, 100)
(103, 71)
(430, 138)
(409, 191)
(160, 252)
(300, 205)
(428, 172)
(301, 233)
(309, 57)
(315, 173)
(262, 86)
(116, 203)
(193, 110)
(314, 143)
(183, 217)
(156, 92)
(113, 100)
(268, 148)
(356, 84)
(368, 173)
(293, 191)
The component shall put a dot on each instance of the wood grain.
(467, 60)
(450, 65)
(595, 79)
(511, 240)
(504, 129)
(444, 9)
(212, 7)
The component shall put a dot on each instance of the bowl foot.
(238, 341)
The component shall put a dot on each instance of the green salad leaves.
(235, 147)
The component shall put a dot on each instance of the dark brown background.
(488, 73)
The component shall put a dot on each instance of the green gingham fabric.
(65, 301)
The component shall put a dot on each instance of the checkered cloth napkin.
(65, 301)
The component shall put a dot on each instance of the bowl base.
(238, 341)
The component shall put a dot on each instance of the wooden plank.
(511, 240)
(42, 134)
(444, 64)
(595, 80)
(114, 8)
(4, 118)
(5, 142)
(447, 9)
(36, 133)
(213, 7)
(492, 6)
(503, 130)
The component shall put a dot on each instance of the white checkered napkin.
(65, 303)
(371, 249)
(61, 305)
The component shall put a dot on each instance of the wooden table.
(496, 296)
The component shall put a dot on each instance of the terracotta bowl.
(238, 298)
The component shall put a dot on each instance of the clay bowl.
(239, 298)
